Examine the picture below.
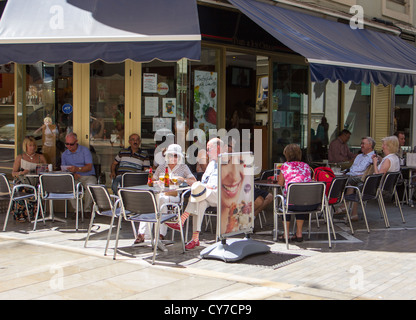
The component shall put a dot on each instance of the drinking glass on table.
(161, 179)
(174, 180)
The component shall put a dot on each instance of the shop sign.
(67, 108)
(162, 88)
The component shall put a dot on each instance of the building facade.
(245, 78)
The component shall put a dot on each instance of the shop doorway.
(247, 97)
(44, 107)
(107, 115)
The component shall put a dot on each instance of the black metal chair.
(15, 194)
(388, 186)
(336, 195)
(302, 198)
(140, 206)
(103, 204)
(62, 186)
(131, 179)
(369, 191)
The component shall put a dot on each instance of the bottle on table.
(166, 178)
(150, 178)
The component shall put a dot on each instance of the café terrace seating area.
(380, 206)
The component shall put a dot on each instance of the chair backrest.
(4, 184)
(137, 201)
(305, 196)
(336, 189)
(267, 173)
(57, 183)
(100, 197)
(372, 184)
(390, 180)
(131, 179)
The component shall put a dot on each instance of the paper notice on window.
(150, 82)
(151, 106)
(162, 123)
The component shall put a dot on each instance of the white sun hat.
(174, 149)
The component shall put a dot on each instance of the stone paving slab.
(52, 263)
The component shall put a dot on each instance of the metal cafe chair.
(388, 186)
(103, 204)
(131, 179)
(369, 191)
(336, 195)
(302, 198)
(140, 206)
(61, 186)
(15, 194)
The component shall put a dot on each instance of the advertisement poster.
(169, 107)
(236, 198)
(205, 100)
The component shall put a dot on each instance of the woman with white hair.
(391, 162)
(175, 162)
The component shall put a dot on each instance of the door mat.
(272, 260)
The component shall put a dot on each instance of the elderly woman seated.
(390, 162)
(294, 170)
(177, 169)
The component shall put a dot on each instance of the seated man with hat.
(203, 193)
(175, 162)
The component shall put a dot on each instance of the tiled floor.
(52, 263)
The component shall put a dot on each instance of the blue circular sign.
(67, 108)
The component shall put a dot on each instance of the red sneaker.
(192, 244)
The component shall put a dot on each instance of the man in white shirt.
(209, 180)
(364, 159)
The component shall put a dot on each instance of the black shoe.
(295, 238)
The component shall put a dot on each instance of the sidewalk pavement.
(52, 263)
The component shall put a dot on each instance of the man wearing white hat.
(204, 193)
(175, 162)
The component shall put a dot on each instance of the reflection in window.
(403, 111)
(357, 112)
(7, 138)
(46, 91)
(289, 108)
(106, 114)
(324, 118)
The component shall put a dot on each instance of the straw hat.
(199, 192)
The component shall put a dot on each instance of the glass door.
(107, 95)
(7, 139)
(289, 108)
(44, 107)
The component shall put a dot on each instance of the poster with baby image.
(236, 194)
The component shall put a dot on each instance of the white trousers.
(197, 209)
(161, 199)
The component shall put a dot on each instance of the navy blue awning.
(334, 50)
(56, 31)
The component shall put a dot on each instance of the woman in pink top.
(294, 170)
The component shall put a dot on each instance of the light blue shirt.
(361, 163)
(79, 158)
(210, 177)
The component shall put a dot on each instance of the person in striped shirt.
(132, 159)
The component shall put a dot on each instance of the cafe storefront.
(221, 69)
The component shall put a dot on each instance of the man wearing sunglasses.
(78, 160)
